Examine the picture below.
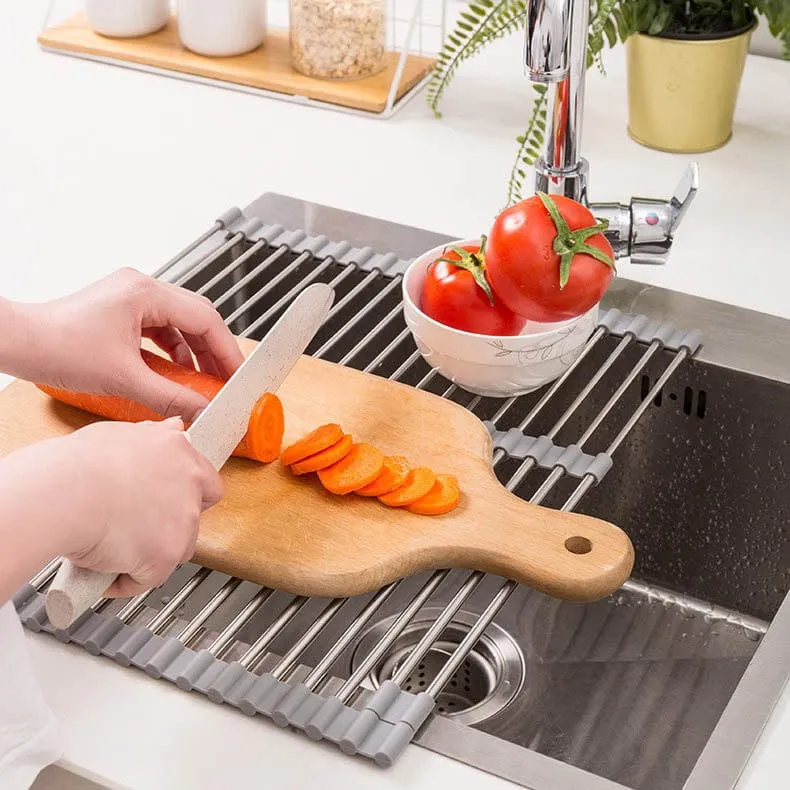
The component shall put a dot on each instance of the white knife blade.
(223, 423)
(215, 433)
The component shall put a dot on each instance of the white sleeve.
(29, 737)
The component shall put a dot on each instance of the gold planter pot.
(682, 92)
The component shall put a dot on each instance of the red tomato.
(455, 294)
(525, 267)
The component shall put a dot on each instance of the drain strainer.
(483, 685)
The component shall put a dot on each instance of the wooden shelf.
(267, 68)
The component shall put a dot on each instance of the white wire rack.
(414, 28)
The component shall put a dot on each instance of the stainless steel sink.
(664, 685)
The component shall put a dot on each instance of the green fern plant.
(611, 22)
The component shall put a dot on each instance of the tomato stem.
(474, 263)
(569, 243)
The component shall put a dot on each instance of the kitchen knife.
(215, 433)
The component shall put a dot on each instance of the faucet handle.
(685, 191)
(654, 222)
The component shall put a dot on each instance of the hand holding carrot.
(90, 341)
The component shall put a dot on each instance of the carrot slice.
(442, 498)
(320, 439)
(393, 475)
(266, 428)
(361, 465)
(266, 423)
(333, 454)
(419, 482)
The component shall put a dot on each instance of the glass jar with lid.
(338, 39)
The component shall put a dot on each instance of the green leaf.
(661, 19)
(611, 31)
(517, 178)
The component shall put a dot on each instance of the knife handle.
(73, 591)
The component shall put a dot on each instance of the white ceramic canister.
(221, 28)
(127, 18)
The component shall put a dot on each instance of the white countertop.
(103, 167)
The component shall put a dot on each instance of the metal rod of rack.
(437, 628)
(357, 624)
(312, 275)
(528, 464)
(257, 270)
(261, 292)
(47, 574)
(234, 264)
(227, 636)
(359, 347)
(384, 353)
(346, 328)
(235, 239)
(217, 226)
(191, 631)
(411, 360)
(289, 659)
(256, 652)
(133, 607)
(393, 632)
(167, 612)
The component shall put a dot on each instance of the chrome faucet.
(555, 53)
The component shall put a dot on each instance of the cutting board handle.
(571, 556)
(73, 591)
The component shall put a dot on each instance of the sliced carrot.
(393, 475)
(266, 428)
(362, 465)
(419, 482)
(266, 422)
(314, 463)
(320, 439)
(442, 498)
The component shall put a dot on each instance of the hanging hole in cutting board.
(578, 545)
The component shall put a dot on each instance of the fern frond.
(529, 145)
(603, 31)
(483, 22)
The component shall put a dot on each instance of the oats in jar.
(338, 39)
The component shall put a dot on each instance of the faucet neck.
(562, 171)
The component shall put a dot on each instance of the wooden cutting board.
(288, 533)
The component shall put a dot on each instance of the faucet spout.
(556, 53)
(547, 41)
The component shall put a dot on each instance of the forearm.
(43, 510)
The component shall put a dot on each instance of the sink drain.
(483, 685)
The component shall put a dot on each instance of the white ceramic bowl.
(492, 365)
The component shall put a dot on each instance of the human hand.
(90, 341)
(141, 489)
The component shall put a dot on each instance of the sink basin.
(664, 685)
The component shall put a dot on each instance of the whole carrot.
(264, 432)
